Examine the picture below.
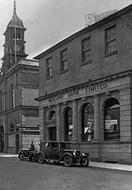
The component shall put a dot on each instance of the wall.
(101, 65)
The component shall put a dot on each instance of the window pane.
(86, 44)
(87, 56)
(112, 119)
(86, 50)
(110, 40)
(88, 123)
(63, 60)
(49, 68)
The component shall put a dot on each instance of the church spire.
(14, 7)
(14, 46)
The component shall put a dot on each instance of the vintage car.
(28, 154)
(62, 152)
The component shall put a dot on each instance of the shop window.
(87, 122)
(63, 61)
(111, 119)
(86, 50)
(52, 115)
(49, 68)
(68, 124)
(110, 40)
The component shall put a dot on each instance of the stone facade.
(19, 114)
(19, 80)
(90, 102)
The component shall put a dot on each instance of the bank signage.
(78, 92)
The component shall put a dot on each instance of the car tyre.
(41, 158)
(84, 162)
(67, 161)
(21, 157)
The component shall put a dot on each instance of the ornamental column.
(75, 120)
(58, 117)
(96, 117)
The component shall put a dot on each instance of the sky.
(50, 21)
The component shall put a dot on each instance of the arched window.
(68, 124)
(111, 119)
(87, 115)
(52, 115)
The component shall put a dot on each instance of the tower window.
(18, 35)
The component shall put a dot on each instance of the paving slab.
(115, 166)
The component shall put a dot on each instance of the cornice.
(85, 84)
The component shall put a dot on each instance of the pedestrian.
(32, 147)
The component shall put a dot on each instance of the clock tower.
(14, 46)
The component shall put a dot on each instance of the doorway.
(52, 133)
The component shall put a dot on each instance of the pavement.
(113, 166)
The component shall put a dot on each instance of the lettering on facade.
(77, 92)
(73, 93)
(96, 87)
(55, 98)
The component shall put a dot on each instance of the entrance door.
(52, 133)
(17, 143)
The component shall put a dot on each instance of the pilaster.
(58, 122)
(75, 120)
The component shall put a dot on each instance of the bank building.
(19, 121)
(85, 89)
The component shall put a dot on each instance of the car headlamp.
(74, 152)
(83, 154)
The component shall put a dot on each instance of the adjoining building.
(85, 89)
(19, 114)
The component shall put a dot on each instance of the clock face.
(17, 48)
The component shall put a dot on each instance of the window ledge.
(86, 63)
(48, 78)
(110, 54)
(62, 72)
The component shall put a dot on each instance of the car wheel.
(41, 158)
(67, 161)
(84, 162)
(21, 157)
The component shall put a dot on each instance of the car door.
(48, 150)
(55, 151)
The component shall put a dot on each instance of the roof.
(87, 29)
(16, 22)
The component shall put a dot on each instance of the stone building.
(85, 92)
(19, 123)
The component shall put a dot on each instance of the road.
(17, 175)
